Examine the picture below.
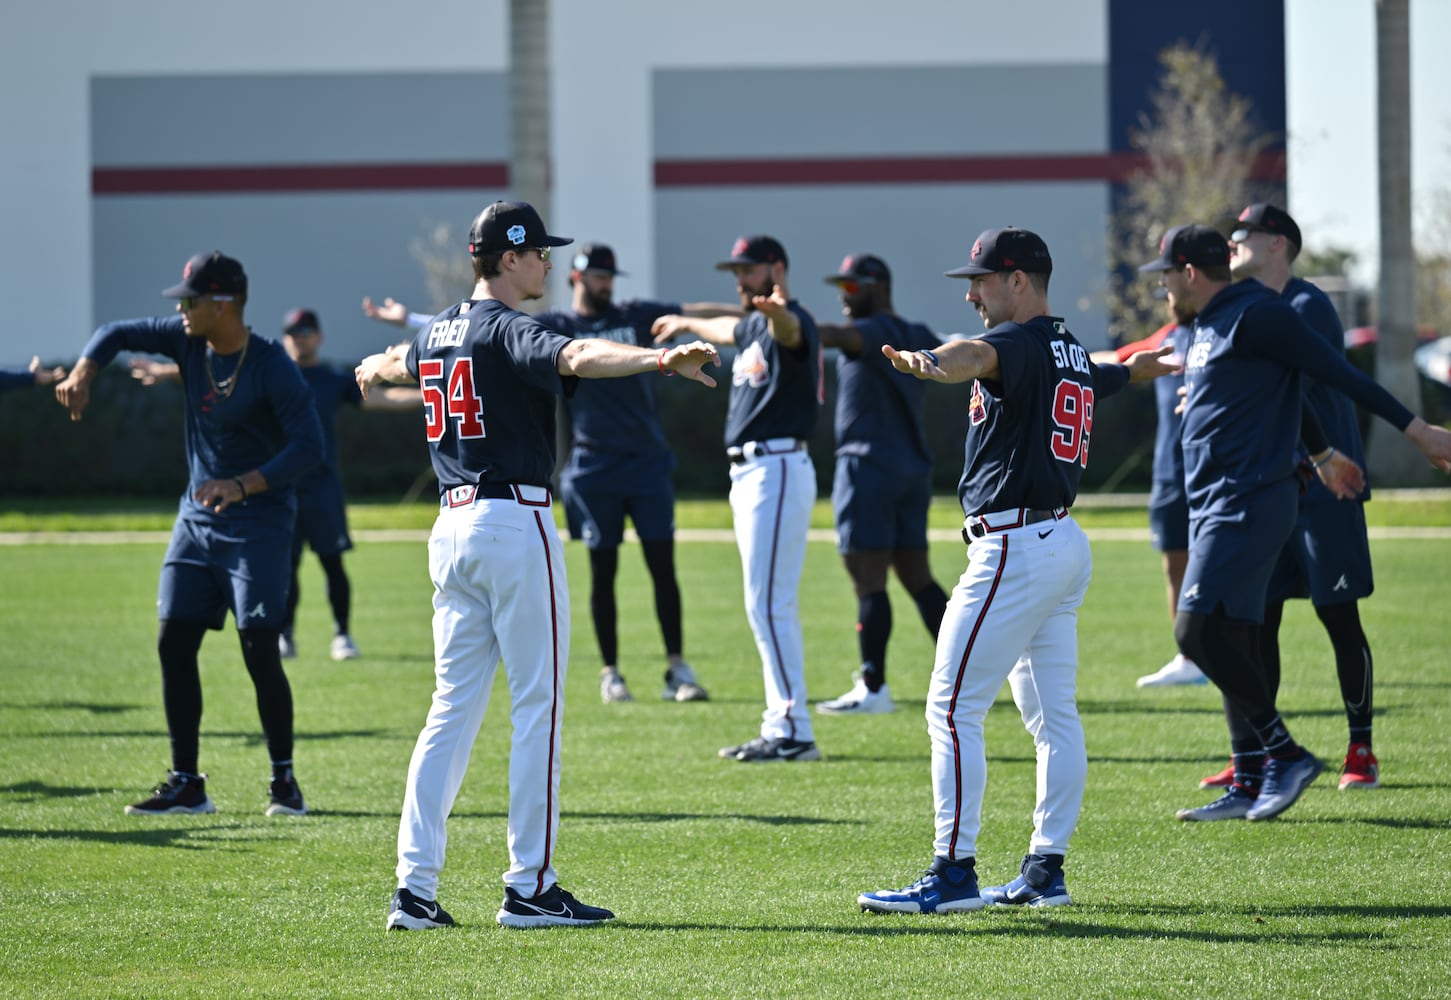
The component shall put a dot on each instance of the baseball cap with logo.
(510, 225)
(1265, 218)
(1008, 249)
(301, 321)
(754, 250)
(864, 268)
(595, 257)
(209, 274)
(1202, 246)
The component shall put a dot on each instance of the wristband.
(930, 357)
(241, 486)
(660, 363)
(1315, 465)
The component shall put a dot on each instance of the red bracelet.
(660, 363)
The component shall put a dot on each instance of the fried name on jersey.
(447, 332)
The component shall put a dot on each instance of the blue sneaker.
(1284, 781)
(1021, 892)
(946, 887)
(1235, 803)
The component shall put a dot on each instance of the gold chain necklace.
(223, 388)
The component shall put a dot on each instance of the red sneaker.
(1361, 769)
(1223, 779)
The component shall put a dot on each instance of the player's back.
(489, 376)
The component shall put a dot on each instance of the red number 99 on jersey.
(1073, 418)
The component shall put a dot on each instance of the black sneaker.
(409, 913)
(777, 748)
(286, 798)
(179, 793)
(551, 908)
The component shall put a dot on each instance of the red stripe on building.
(287, 179)
(1110, 167)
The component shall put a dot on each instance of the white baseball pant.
(771, 498)
(1012, 616)
(499, 591)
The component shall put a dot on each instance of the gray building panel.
(753, 112)
(920, 230)
(299, 119)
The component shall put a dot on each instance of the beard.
(1183, 312)
(601, 301)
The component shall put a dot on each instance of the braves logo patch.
(977, 409)
(750, 368)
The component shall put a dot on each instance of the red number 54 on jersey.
(452, 398)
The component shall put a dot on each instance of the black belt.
(758, 449)
(463, 496)
(979, 526)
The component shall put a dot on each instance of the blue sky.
(1330, 81)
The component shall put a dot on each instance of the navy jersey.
(1243, 402)
(615, 414)
(1028, 429)
(1168, 474)
(267, 422)
(489, 376)
(879, 410)
(1332, 409)
(16, 378)
(775, 392)
(331, 388)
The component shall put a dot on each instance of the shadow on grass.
(248, 738)
(35, 791)
(64, 706)
(209, 837)
(616, 817)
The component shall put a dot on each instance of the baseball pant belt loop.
(760, 449)
(982, 525)
(520, 493)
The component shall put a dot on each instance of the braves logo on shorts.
(750, 368)
(977, 410)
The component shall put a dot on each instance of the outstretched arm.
(386, 366)
(955, 361)
(595, 358)
(720, 330)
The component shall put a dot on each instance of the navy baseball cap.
(862, 267)
(1266, 218)
(510, 225)
(301, 321)
(1202, 246)
(595, 257)
(754, 250)
(1008, 249)
(209, 274)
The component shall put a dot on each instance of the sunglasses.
(543, 252)
(189, 302)
(1240, 235)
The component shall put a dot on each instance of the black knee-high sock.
(931, 605)
(873, 628)
(181, 689)
(1267, 636)
(1352, 664)
(1228, 653)
(294, 591)
(339, 591)
(660, 560)
(602, 566)
(274, 694)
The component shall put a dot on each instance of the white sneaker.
(859, 701)
(343, 648)
(286, 648)
(681, 685)
(1179, 670)
(612, 688)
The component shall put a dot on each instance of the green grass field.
(728, 880)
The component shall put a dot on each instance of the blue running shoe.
(1284, 781)
(1021, 892)
(946, 887)
(1235, 803)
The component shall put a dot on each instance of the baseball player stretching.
(620, 464)
(489, 375)
(1241, 423)
(251, 431)
(776, 391)
(33, 375)
(1327, 556)
(883, 482)
(1013, 615)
